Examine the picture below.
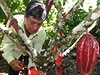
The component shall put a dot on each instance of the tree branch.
(61, 21)
(26, 47)
(81, 27)
(73, 46)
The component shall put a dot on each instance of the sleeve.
(7, 44)
(7, 47)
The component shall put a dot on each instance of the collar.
(31, 35)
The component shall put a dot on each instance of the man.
(34, 16)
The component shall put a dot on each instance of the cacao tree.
(57, 24)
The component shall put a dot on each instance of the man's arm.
(7, 46)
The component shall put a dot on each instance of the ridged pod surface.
(87, 51)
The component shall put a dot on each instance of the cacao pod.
(61, 35)
(87, 50)
(59, 70)
(20, 64)
(54, 48)
(33, 71)
(58, 61)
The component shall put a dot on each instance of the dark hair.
(36, 9)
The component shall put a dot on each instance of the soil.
(69, 66)
(3, 64)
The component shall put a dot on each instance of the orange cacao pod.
(87, 51)
(54, 48)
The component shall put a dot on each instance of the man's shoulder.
(19, 18)
(18, 15)
(42, 31)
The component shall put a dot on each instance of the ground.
(3, 65)
(69, 64)
(70, 68)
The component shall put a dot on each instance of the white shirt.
(12, 51)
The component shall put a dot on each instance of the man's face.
(32, 24)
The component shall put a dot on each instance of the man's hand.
(16, 65)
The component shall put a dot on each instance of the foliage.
(1, 37)
(15, 6)
(18, 7)
(96, 31)
(49, 25)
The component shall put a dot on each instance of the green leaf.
(59, 2)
